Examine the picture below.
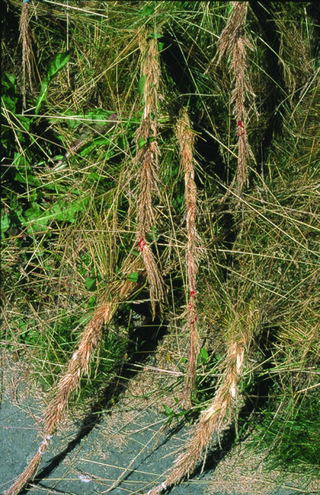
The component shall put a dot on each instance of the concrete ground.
(121, 450)
(115, 448)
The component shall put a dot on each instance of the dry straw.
(186, 140)
(79, 365)
(233, 41)
(147, 159)
(226, 402)
(26, 52)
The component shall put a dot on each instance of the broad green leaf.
(204, 355)
(147, 10)
(32, 213)
(92, 301)
(35, 219)
(94, 176)
(123, 142)
(141, 84)
(9, 96)
(94, 144)
(99, 114)
(10, 222)
(91, 284)
(55, 66)
(5, 224)
(133, 277)
(142, 142)
(31, 179)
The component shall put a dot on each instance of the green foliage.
(147, 10)
(9, 95)
(133, 277)
(59, 61)
(292, 435)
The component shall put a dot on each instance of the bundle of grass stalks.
(161, 160)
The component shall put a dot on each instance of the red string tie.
(240, 125)
(191, 307)
(142, 243)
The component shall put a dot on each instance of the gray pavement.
(88, 457)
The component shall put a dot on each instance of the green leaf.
(32, 213)
(9, 96)
(99, 114)
(92, 301)
(91, 284)
(30, 179)
(36, 219)
(147, 10)
(94, 177)
(55, 66)
(123, 142)
(155, 36)
(101, 141)
(142, 142)
(204, 355)
(167, 410)
(141, 84)
(133, 277)
(5, 224)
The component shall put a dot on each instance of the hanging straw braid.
(224, 406)
(186, 140)
(147, 159)
(26, 52)
(78, 365)
(233, 41)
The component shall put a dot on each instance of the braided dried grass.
(226, 402)
(78, 366)
(233, 41)
(27, 73)
(186, 140)
(147, 159)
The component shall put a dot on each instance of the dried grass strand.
(186, 140)
(224, 406)
(147, 159)
(233, 41)
(26, 53)
(78, 365)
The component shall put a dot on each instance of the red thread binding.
(240, 124)
(142, 243)
(191, 307)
